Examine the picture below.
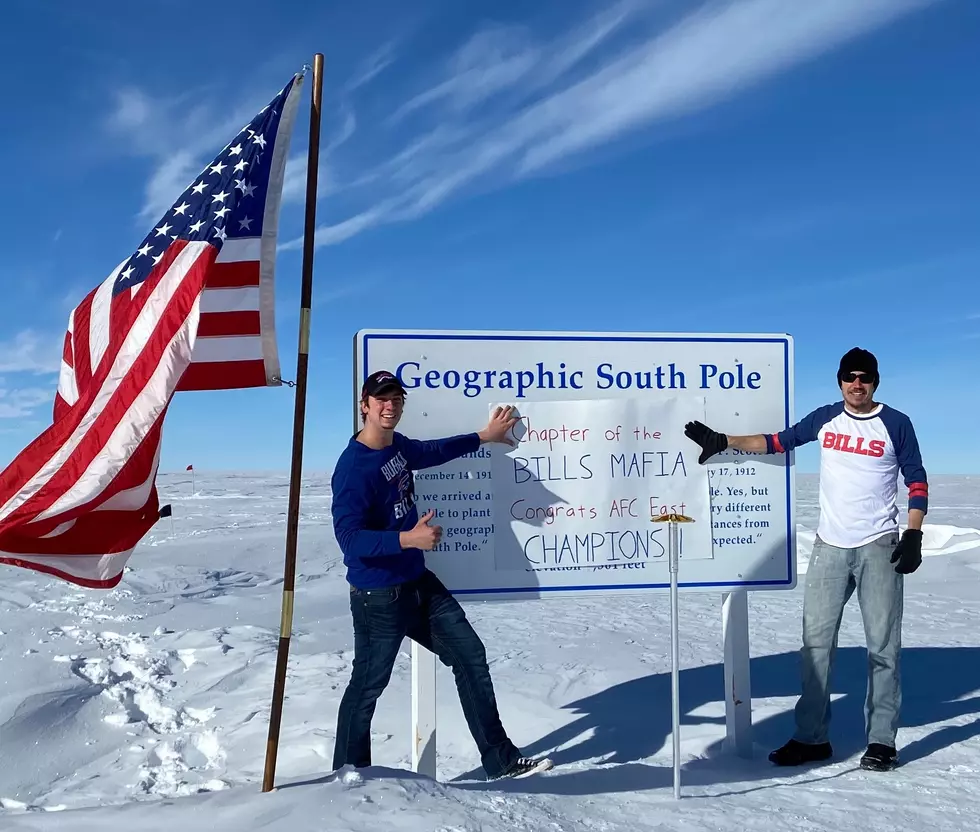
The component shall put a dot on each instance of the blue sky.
(757, 165)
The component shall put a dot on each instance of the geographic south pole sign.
(600, 451)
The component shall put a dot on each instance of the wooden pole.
(299, 422)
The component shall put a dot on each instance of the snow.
(156, 695)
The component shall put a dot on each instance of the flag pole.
(299, 421)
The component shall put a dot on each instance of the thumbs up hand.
(422, 536)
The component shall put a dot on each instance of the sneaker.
(879, 757)
(795, 753)
(525, 767)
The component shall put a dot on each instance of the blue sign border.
(605, 339)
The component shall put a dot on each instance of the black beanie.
(858, 360)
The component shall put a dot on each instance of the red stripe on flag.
(229, 323)
(87, 583)
(60, 407)
(223, 375)
(66, 352)
(80, 345)
(125, 312)
(103, 531)
(234, 275)
(126, 392)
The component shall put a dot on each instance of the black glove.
(908, 552)
(711, 442)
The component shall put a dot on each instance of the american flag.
(191, 308)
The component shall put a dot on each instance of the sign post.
(423, 711)
(674, 549)
(600, 452)
(738, 688)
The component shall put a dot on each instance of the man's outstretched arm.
(806, 430)
(428, 453)
(754, 443)
(712, 442)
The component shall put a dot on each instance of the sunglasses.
(851, 377)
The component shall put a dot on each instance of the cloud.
(31, 352)
(180, 134)
(18, 403)
(493, 60)
(931, 271)
(294, 181)
(348, 288)
(23, 427)
(507, 107)
(373, 66)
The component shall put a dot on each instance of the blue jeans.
(424, 611)
(833, 575)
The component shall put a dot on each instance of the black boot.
(879, 757)
(795, 753)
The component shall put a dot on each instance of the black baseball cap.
(380, 382)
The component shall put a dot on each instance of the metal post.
(675, 661)
(674, 546)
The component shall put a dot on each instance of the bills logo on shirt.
(394, 466)
(853, 445)
(406, 494)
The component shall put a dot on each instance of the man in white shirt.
(864, 446)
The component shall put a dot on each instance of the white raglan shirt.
(861, 459)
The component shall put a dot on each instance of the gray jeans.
(833, 575)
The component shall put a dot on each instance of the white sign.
(646, 386)
(578, 493)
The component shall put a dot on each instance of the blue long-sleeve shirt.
(374, 501)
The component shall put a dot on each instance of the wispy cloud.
(21, 402)
(934, 271)
(31, 352)
(349, 287)
(294, 182)
(507, 106)
(180, 134)
(373, 66)
(24, 428)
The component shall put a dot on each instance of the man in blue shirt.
(864, 447)
(392, 593)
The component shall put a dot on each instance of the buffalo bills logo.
(406, 494)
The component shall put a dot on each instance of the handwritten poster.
(579, 490)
